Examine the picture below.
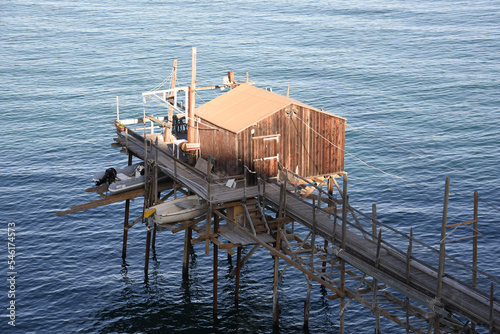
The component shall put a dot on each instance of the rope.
(164, 81)
(213, 62)
(410, 151)
(365, 163)
(396, 176)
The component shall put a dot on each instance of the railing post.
(492, 298)
(474, 248)
(245, 182)
(474, 244)
(408, 267)
(209, 200)
(209, 176)
(342, 261)
(442, 249)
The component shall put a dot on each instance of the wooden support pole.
(237, 280)
(244, 260)
(474, 244)
(209, 223)
(146, 260)
(313, 235)
(275, 283)
(153, 242)
(374, 221)
(492, 320)
(330, 202)
(168, 129)
(117, 110)
(442, 249)
(216, 265)
(474, 248)
(125, 228)
(209, 211)
(442, 253)
(192, 97)
(279, 214)
(375, 307)
(307, 304)
(187, 249)
(127, 215)
(342, 261)
(408, 267)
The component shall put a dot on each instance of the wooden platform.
(234, 236)
(188, 176)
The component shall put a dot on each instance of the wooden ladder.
(256, 217)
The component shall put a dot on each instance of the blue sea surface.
(423, 76)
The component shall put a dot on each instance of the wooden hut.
(253, 127)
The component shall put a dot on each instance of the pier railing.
(457, 274)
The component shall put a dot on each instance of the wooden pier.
(298, 211)
(339, 251)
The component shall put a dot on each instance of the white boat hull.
(178, 210)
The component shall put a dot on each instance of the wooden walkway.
(361, 252)
(191, 178)
(418, 282)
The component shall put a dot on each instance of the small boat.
(119, 187)
(126, 185)
(112, 175)
(178, 210)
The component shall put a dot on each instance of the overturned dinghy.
(178, 210)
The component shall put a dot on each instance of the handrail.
(425, 245)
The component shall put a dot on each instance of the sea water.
(423, 76)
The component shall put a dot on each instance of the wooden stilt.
(153, 242)
(442, 249)
(342, 262)
(442, 252)
(216, 267)
(275, 283)
(374, 221)
(330, 194)
(474, 248)
(209, 211)
(408, 267)
(125, 229)
(127, 215)
(187, 249)
(146, 260)
(474, 245)
(307, 303)
(375, 307)
(237, 280)
(492, 320)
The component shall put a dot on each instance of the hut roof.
(243, 106)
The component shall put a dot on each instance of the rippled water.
(423, 75)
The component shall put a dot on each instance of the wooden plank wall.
(221, 145)
(299, 144)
